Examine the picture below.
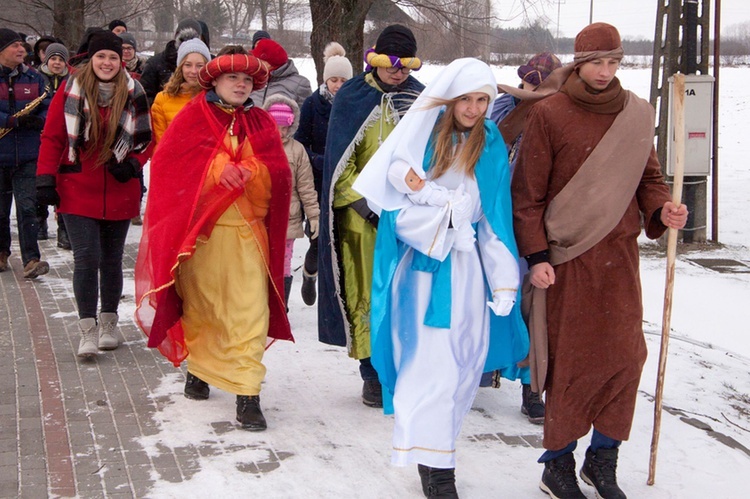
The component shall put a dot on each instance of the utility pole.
(686, 54)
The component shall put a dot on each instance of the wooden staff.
(678, 96)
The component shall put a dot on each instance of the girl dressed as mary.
(445, 301)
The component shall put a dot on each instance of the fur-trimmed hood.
(275, 98)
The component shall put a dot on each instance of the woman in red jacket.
(94, 144)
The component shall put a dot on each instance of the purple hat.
(539, 68)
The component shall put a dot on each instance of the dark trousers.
(19, 182)
(98, 246)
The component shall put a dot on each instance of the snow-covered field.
(327, 444)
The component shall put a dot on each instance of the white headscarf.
(407, 143)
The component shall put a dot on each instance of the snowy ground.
(331, 445)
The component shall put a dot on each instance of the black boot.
(559, 478)
(440, 482)
(600, 471)
(196, 388)
(287, 288)
(249, 414)
(62, 237)
(43, 233)
(532, 405)
(372, 393)
(309, 293)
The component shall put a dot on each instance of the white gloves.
(502, 302)
(461, 213)
(314, 225)
(461, 209)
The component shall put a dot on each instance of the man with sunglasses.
(365, 111)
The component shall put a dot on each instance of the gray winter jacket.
(285, 80)
(304, 201)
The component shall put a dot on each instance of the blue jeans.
(98, 246)
(19, 182)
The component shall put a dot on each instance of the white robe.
(439, 369)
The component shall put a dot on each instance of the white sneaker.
(87, 348)
(107, 335)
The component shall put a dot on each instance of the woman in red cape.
(209, 275)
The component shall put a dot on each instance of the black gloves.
(46, 193)
(124, 171)
(31, 122)
(360, 206)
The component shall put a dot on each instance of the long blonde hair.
(89, 83)
(448, 134)
(173, 87)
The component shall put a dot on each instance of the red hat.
(235, 63)
(271, 52)
(598, 37)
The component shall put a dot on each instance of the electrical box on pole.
(699, 91)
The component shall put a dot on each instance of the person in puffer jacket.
(304, 202)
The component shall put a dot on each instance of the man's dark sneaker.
(559, 478)
(62, 238)
(196, 388)
(372, 393)
(532, 405)
(600, 471)
(309, 293)
(441, 482)
(3, 261)
(43, 233)
(249, 414)
(35, 268)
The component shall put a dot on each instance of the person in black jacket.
(20, 86)
(312, 133)
(160, 67)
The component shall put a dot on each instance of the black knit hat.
(7, 37)
(116, 23)
(396, 40)
(260, 35)
(105, 40)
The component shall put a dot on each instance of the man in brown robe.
(587, 170)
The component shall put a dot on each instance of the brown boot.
(35, 268)
(3, 261)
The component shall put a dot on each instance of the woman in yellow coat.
(192, 55)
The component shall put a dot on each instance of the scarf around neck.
(325, 93)
(611, 100)
(133, 128)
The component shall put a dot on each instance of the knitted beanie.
(260, 35)
(271, 52)
(8, 37)
(396, 40)
(598, 37)
(186, 30)
(336, 64)
(128, 39)
(116, 23)
(194, 45)
(282, 114)
(105, 40)
(57, 49)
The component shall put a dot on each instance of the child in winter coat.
(285, 112)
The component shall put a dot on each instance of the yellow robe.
(224, 288)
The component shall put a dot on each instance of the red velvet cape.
(177, 214)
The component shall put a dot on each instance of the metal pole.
(715, 155)
(591, 12)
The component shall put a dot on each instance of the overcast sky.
(634, 18)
